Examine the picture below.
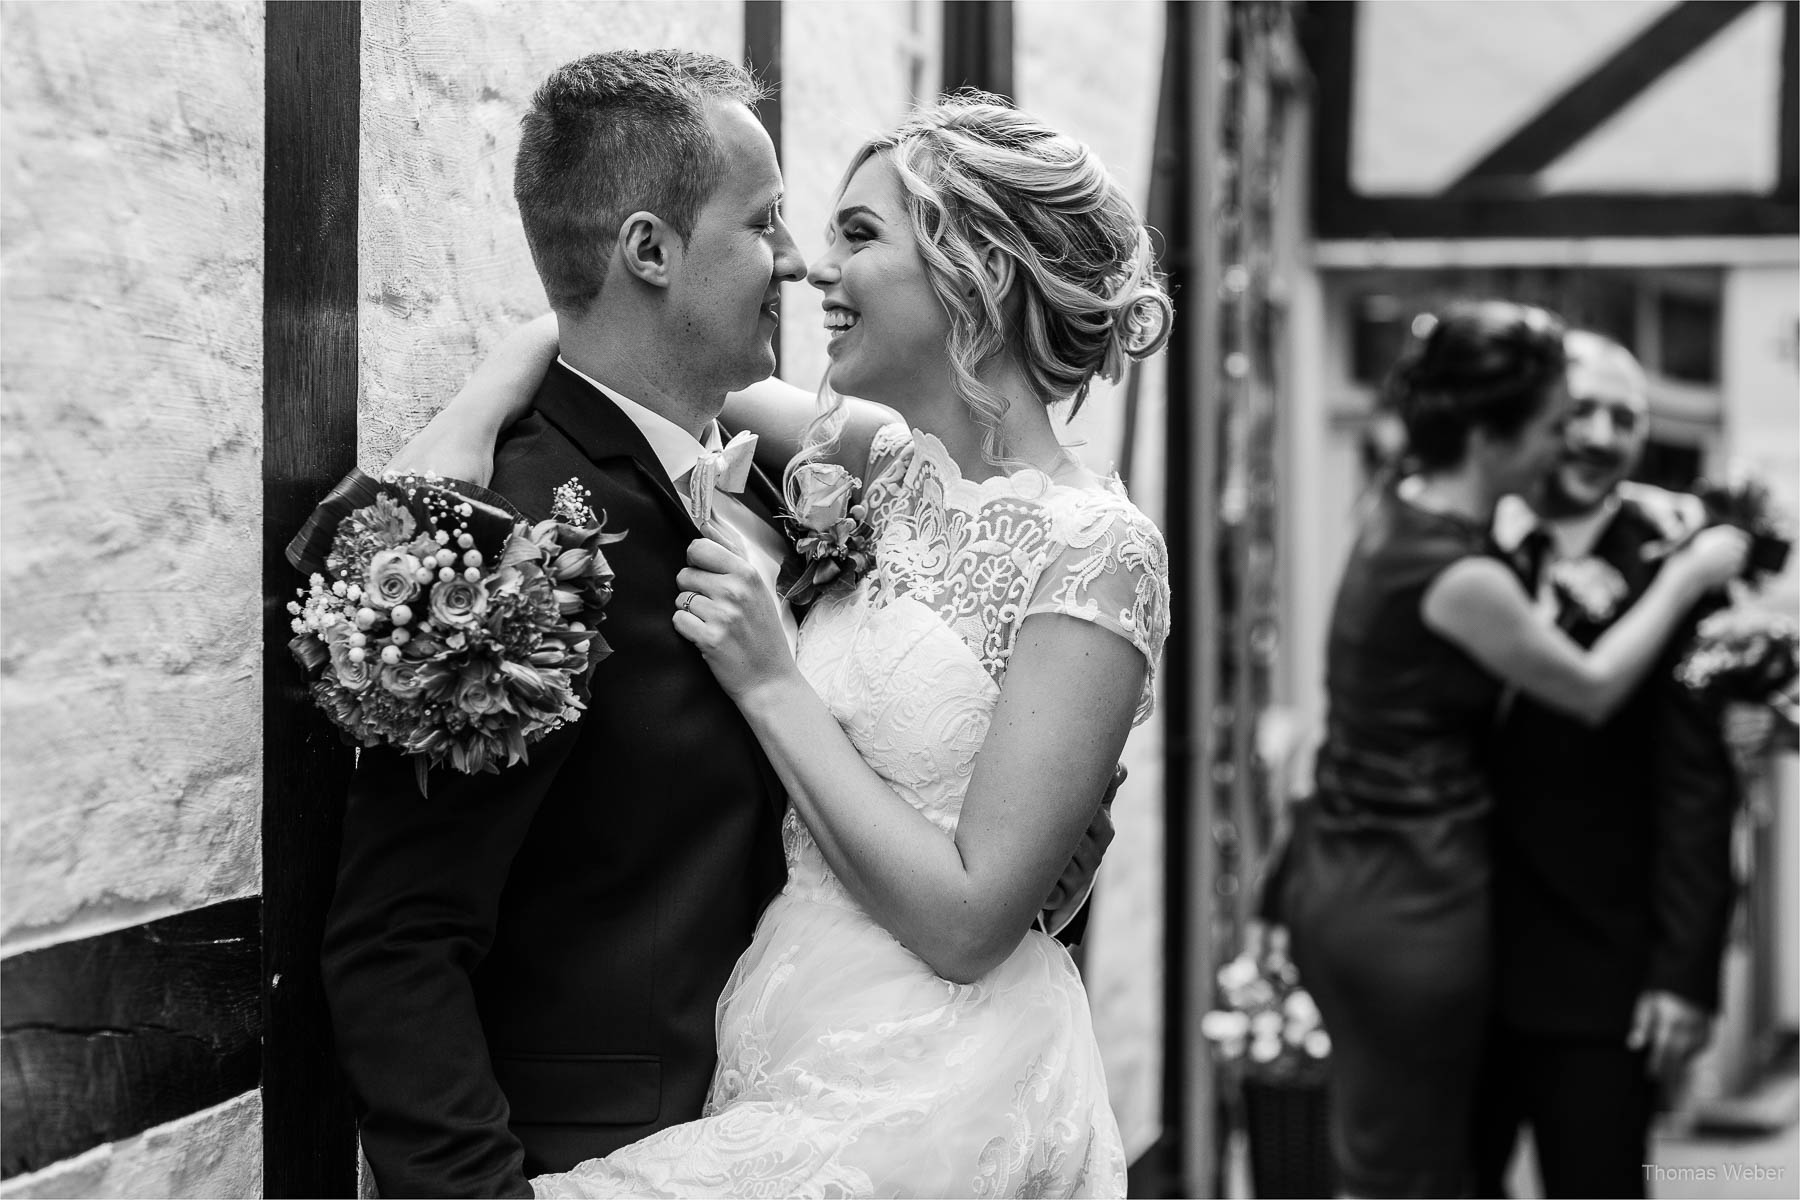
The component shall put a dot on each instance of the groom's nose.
(790, 265)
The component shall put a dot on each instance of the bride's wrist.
(778, 693)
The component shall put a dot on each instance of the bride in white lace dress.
(897, 1027)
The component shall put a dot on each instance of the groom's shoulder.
(539, 452)
(531, 459)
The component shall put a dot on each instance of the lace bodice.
(912, 660)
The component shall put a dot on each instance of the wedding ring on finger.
(685, 602)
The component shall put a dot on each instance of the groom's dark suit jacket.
(522, 968)
(1612, 850)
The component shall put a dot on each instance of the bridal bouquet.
(442, 623)
(1267, 1023)
(1742, 654)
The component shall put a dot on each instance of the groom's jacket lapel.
(609, 438)
(614, 443)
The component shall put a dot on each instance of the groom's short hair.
(608, 135)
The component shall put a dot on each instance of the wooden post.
(1205, 37)
(314, 85)
(762, 55)
(978, 46)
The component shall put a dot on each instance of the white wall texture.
(214, 1152)
(130, 660)
(445, 272)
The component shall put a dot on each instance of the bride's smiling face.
(889, 332)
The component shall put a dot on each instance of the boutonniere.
(830, 529)
(446, 625)
(1588, 589)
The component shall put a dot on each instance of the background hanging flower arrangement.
(1267, 1025)
(442, 623)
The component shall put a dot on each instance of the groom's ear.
(646, 247)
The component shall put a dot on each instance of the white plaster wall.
(445, 272)
(214, 1152)
(130, 541)
(130, 662)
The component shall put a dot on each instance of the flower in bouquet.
(830, 530)
(1744, 501)
(444, 624)
(1267, 1024)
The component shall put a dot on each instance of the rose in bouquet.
(1267, 1024)
(443, 624)
(830, 528)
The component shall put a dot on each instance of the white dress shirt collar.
(675, 448)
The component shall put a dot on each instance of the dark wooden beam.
(1599, 95)
(1328, 43)
(1562, 215)
(978, 46)
(107, 1036)
(762, 55)
(1158, 1171)
(314, 84)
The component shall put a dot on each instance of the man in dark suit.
(523, 968)
(1613, 883)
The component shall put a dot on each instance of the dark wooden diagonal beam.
(314, 88)
(1601, 94)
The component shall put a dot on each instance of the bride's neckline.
(1027, 482)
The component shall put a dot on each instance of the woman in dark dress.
(1385, 889)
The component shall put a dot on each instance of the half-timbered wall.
(130, 665)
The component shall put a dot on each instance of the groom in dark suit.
(1612, 866)
(522, 968)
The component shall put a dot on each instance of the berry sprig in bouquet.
(444, 624)
(1267, 1025)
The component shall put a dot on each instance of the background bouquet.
(442, 623)
(1267, 1024)
(1744, 501)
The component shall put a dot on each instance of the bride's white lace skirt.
(847, 1068)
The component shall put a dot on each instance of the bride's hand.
(726, 609)
(451, 446)
(459, 441)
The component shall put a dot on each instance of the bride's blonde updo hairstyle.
(1088, 298)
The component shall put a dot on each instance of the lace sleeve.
(1113, 571)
